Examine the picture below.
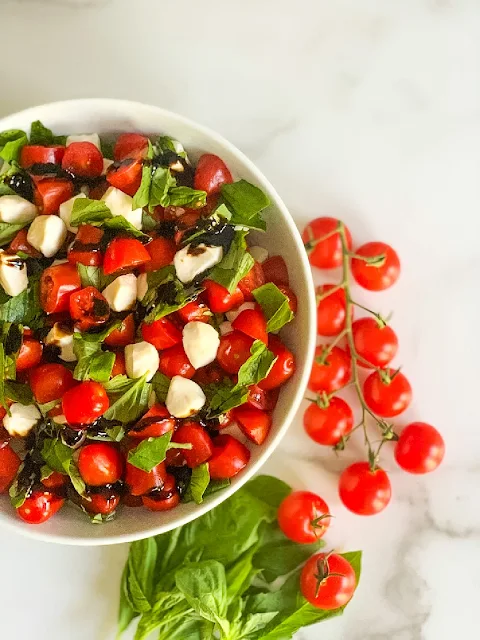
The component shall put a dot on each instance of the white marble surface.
(368, 110)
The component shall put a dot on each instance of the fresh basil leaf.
(166, 143)
(107, 147)
(120, 223)
(169, 290)
(227, 396)
(41, 135)
(245, 201)
(132, 404)
(258, 365)
(17, 492)
(142, 196)
(199, 482)
(150, 452)
(100, 518)
(8, 231)
(141, 568)
(162, 181)
(59, 457)
(48, 406)
(275, 306)
(126, 613)
(113, 434)
(87, 344)
(154, 280)
(87, 211)
(268, 489)
(234, 265)
(45, 472)
(119, 384)
(3, 296)
(18, 392)
(25, 308)
(187, 197)
(96, 367)
(93, 276)
(148, 222)
(11, 143)
(160, 385)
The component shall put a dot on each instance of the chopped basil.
(113, 434)
(8, 231)
(11, 143)
(226, 396)
(100, 518)
(96, 367)
(187, 197)
(154, 280)
(166, 294)
(59, 457)
(119, 384)
(235, 264)
(150, 452)
(48, 406)
(199, 482)
(107, 147)
(245, 201)
(45, 472)
(160, 385)
(166, 143)
(93, 277)
(41, 135)
(18, 392)
(96, 212)
(132, 404)
(18, 491)
(162, 181)
(86, 344)
(148, 222)
(275, 306)
(25, 308)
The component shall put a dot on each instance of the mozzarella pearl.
(106, 165)
(191, 262)
(94, 138)
(22, 419)
(142, 285)
(141, 358)
(121, 294)
(259, 254)
(16, 210)
(65, 211)
(13, 274)
(231, 315)
(62, 338)
(121, 204)
(47, 234)
(184, 398)
(201, 343)
(225, 327)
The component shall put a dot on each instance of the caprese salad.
(139, 347)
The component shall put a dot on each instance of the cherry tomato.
(363, 491)
(50, 381)
(195, 311)
(211, 173)
(86, 247)
(376, 277)
(123, 253)
(119, 365)
(161, 333)
(233, 351)
(141, 482)
(55, 480)
(164, 499)
(275, 270)
(420, 448)
(29, 355)
(161, 252)
(376, 344)
(174, 362)
(252, 281)
(128, 144)
(36, 154)
(57, 283)
(229, 457)
(83, 159)
(20, 243)
(283, 367)
(210, 374)
(292, 298)
(325, 254)
(303, 517)
(331, 311)
(333, 373)
(202, 446)
(328, 581)
(185, 222)
(156, 422)
(9, 465)
(252, 323)
(260, 399)
(50, 193)
(100, 463)
(124, 334)
(89, 308)
(219, 299)
(328, 425)
(127, 176)
(387, 398)
(84, 403)
(39, 507)
(103, 502)
(254, 423)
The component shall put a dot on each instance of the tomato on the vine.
(363, 491)
(376, 276)
(328, 425)
(420, 448)
(328, 581)
(387, 393)
(331, 373)
(374, 343)
(328, 253)
(303, 517)
(331, 310)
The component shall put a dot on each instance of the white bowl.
(70, 526)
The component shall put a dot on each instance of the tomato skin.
(387, 399)
(301, 517)
(125, 334)
(83, 159)
(39, 507)
(202, 446)
(156, 501)
(55, 480)
(211, 173)
(124, 253)
(328, 425)
(195, 311)
(161, 333)
(420, 448)
(100, 463)
(229, 457)
(36, 154)
(283, 368)
(84, 403)
(141, 482)
(331, 311)
(233, 351)
(50, 193)
(20, 243)
(252, 323)
(219, 299)
(30, 354)
(174, 362)
(128, 144)
(254, 423)
(378, 345)
(89, 308)
(275, 270)
(101, 503)
(156, 422)
(161, 252)
(326, 254)
(259, 399)
(376, 278)
(9, 465)
(126, 177)
(363, 491)
(333, 374)
(252, 281)
(86, 246)
(50, 381)
(57, 283)
(119, 365)
(334, 591)
(292, 298)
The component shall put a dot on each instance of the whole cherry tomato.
(39, 507)
(219, 299)
(9, 465)
(163, 499)
(161, 333)
(374, 343)
(50, 382)
(331, 311)
(124, 334)
(331, 373)
(328, 581)
(387, 393)
(57, 283)
(174, 362)
(233, 351)
(328, 425)
(378, 275)
(253, 422)
(303, 517)
(363, 491)
(275, 270)
(325, 254)
(89, 308)
(30, 354)
(83, 159)
(211, 173)
(252, 323)
(196, 435)
(84, 403)
(283, 367)
(420, 448)
(100, 463)
(124, 253)
(229, 457)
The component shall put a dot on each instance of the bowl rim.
(129, 106)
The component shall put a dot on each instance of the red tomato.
(29, 355)
(141, 482)
(20, 243)
(36, 154)
(126, 177)
(125, 334)
(252, 281)
(233, 351)
(154, 423)
(328, 581)
(57, 283)
(328, 425)
(128, 144)
(211, 173)
(50, 193)
(303, 517)
(254, 423)
(219, 299)
(50, 381)
(100, 463)
(229, 457)
(292, 298)
(86, 247)
(333, 374)
(324, 254)
(185, 222)
(174, 362)
(161, 252)
(84, 403)
(252, 323)
(161, 333)
(258, 398)
(39, 507)
(420, 448)
(202, 446)
(102, 502)
(123, 253)
(9, 465)
(331, 311)
(83, 159)
(195, 311)
(387, 398)
(89, 308)
(363, 491)
(55, 480)
(164, 499)
(119, 365)
(373, 343)
(275, 270)
(283, 367)
(376, 277)
(210, 374)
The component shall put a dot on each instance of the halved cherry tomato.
(260, 399)
(292, 298)
(195, 311)
(251, 281)
(57, 283)
(119, 364)
(161, 333)
(164, 499)
(283, 367)
(219, 299)
(202, 446)
(103, 502)
(50, 193)
(89, 308)
(275, 270)
(252, 323)
(233, 351)
(141, 482)
(174, 362)
(154, 423)
(50, 381)
(84, 403)
(20, 243)
(325, 254)
(83, 159)
(30, 354)
(86, 247)
(40, 506)
(123, 253)
(211, 173)
(330, 373)
(229, 457)
(420, 448)
(328, 581)
(303, 517)
(331, 311)
(363, 491)
(161, 252)
(36, 154)
(254, 423)
(125, 334)
(374, 343)
(387, 394)
(327, 425)
(55, 480)
(126, 177)
(100, 463)
(380, 276)
(9, 465)
(129, 145)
